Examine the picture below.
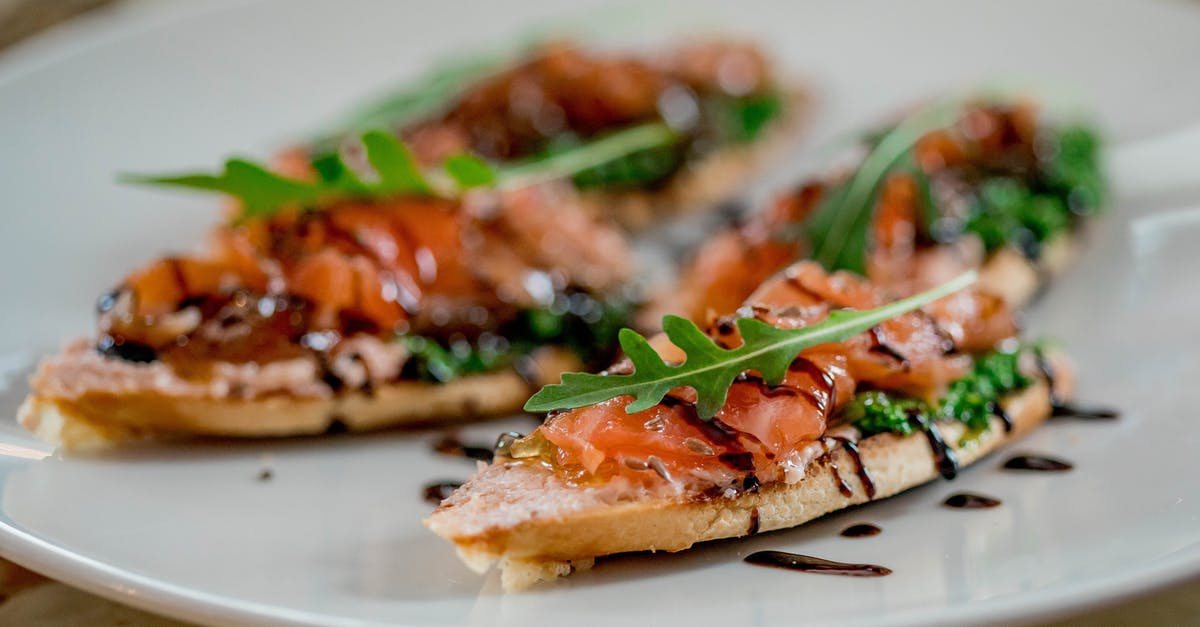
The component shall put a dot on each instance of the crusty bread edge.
(708, 181)
(99, 420)
(541, 549)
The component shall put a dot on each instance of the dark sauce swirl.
(808, 564)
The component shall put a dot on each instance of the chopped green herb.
(970, 400)
(710, 369)
(579, 322)
(741, 120)
(880, 412)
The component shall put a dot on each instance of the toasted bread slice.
(705, 183)
(526, 518)
(109, 412)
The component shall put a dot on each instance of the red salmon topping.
(901, 259)
(563, 89)
(422, 265)
(761, 429)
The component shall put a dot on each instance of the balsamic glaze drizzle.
(864, 477)
(1076, 411)
(1037, 463)
(808, 564)
(943, 455)
(1063, 408)
(437, 491)
(999, 412)
(861, 530)
(967, 500)
(451, 445)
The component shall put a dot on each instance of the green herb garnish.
(838, 231)
(971, 400)
(395, 172)
(741, 120)
(1022, 200)
(875, 411)
(585, 325)
(263, 192)
(710, 369)
(593, 154)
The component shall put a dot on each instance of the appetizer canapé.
(721, 99)
(389, 295)
(819, 393)
(990, 185)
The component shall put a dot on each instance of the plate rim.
(27, 549)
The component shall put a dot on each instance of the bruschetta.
(844, 422)
(729, 111)
(994, 185)
(365, 300)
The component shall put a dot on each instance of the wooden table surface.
(29, 599)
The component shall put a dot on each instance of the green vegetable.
(593, 154)
(470, 171)
(577, 321)
(710, 369)
(839, 229)
(971, 400)
(742, 119)
(1011, 204)
(396, 173)
(880, 412)
(263, 192)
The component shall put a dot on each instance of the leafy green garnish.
(260, 191)
(470, 171)
(971, 400)
(396, 172)
(710, 369)
(875, 411)
(578, 321)
(742, 119)
(838, 231)
(592, 154)
(263, 192)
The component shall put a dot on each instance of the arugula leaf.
(710, 369)
(589, 155)
(263, 192)
(469, 171)
(394, 163)
(838, 230)
(260, 190)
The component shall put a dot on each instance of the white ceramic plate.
(334, 536)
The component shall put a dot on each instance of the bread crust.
(99, 419)
(547, 528)
(716, 177)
